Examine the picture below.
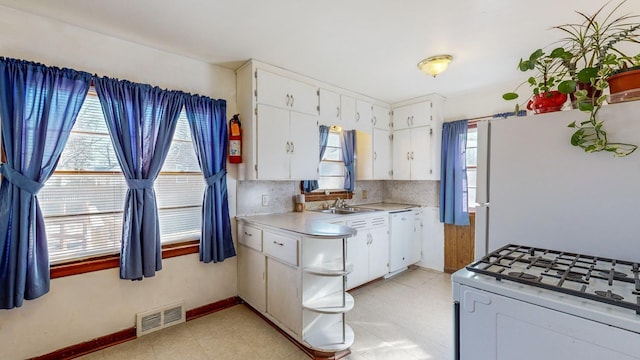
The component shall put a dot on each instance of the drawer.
(281, 247)
(250, 236)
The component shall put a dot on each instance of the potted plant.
(551, 70)
(590, 54)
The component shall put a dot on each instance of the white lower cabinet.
(368, 251)
(252, 277)
(283, 294)
(304, 289)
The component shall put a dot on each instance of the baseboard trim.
(90, 346)
(125, 335)
(313, 354)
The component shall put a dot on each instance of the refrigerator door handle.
(481, 243)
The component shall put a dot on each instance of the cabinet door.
(304, 97)
(421, 153)
(274, 143)
(378, 252)
(347, 112)
(283, 295)
(364, 156)
(381, 118)
(421, 114)
(402, 117)
(272, 89)
(364, 116)
(381, 155)
(401, 154)
(305, 146)
(415, 252)
(251, 277)
(329, 108)
(358, 256)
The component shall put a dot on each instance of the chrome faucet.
(339, 203)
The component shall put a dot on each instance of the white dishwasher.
(405, 231)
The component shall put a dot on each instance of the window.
(332, 170)
(472, 155)
(82, 203)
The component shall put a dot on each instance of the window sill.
(104, 262)
(319, 196)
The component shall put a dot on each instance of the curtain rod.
(494, 116)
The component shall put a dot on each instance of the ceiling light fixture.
(434, 65)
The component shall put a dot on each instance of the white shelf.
(327, 304)
(327, 340)
(333, 268)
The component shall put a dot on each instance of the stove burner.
(571, 275)
(540, 261)
(616, 274)
(525, 276)
(609, 295)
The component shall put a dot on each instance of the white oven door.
(497, 327)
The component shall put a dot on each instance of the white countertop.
(388, 206)
(308, 223)
(317, 224)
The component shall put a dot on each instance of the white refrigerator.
(534, 188)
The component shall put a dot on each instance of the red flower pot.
(547, 102)
(624, 85)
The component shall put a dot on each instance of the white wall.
(483, 102)
(82, 307)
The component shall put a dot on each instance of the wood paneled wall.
(459, 245)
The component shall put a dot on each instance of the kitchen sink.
(346, 210)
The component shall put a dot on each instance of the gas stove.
(609, 281)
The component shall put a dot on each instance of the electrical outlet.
(364, 194)
(265, 200)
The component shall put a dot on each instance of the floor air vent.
(160, 318)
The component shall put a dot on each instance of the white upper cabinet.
(276, 90)
(347, 112)
(329, 107)
(279, 114)
(364, 116)
(381, 117)
(288, 146)
(412, 158)
(413, 115)
(381, 154)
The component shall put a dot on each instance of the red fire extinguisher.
(235, 140)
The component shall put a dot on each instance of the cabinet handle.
(357, 116)
(408, 120)
(292, 100)
(374, 120)
(293, 147)
(375, 155)
(248, 234)
(408, 156)
(278, 243)
(412, 122)
(412, 155)
(338, 112)
(288, 147)
(288, 99)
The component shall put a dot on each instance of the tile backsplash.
(281, 195)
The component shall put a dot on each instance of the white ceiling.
(368, 46)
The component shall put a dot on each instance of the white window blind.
(82, 203)
(472, 155)
(332, 168)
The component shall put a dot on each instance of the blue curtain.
(453, 182)
(207, 119)
(310, 185)
(38, 107)
(348, 140)
(141, 120)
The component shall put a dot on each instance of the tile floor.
(406, 317)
